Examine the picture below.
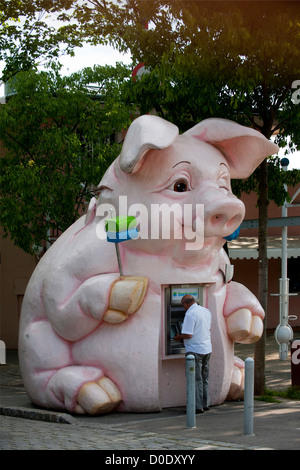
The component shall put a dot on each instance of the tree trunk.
(260, 346)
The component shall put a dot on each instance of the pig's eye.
(180, 186)
(224, 183)
(224, 178)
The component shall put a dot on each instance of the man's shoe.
(206, 409)
(198, 412)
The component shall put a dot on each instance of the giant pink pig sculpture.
(90, 340)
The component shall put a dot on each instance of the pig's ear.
(243, 147)
(145, 133)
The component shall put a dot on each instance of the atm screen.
(174, 331)
(178, 292)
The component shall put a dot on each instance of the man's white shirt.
(197, 322)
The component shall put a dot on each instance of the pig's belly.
(222, 357)
(129, 354)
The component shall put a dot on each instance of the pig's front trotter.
(126, 296)
(244, 327)
(243, 313)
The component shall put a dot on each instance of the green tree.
(35, 31)
(57, 135)
(236, 60)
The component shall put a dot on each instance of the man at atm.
(196, 336)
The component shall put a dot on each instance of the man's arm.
(182, 336)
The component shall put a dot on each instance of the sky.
(87, 56)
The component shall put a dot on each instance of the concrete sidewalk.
(276, 425)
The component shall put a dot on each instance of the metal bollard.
(2, 352)
(190, 391)
(249, 396)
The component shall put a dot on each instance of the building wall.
(250, 201)
(246, 272)
(16, 268)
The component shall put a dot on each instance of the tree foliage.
(57, 135)
(35, 31)
(221, 59)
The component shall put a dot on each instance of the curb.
(39, 415)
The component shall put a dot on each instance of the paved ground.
(276, 425)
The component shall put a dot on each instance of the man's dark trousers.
(201, 379)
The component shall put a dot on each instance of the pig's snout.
(222, 218)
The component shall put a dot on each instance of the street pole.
(284, 332)
(249, 396)
(190, 391)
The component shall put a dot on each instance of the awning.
(247, 247)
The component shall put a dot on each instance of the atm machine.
(174, 314)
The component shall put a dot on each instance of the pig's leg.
(105, 297)
(52, 381)
(50, 376)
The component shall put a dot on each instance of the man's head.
(187, 300)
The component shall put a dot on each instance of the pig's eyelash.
(101, 188)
